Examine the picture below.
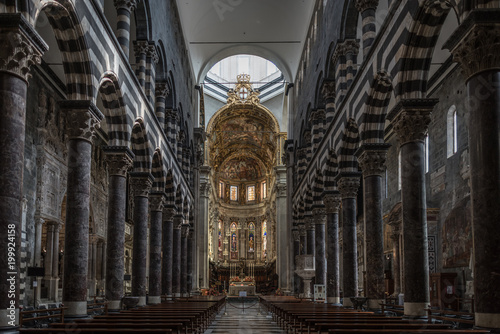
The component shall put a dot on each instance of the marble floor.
(235, 320)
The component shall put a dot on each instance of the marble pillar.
(202, 234)
(303, 239)
(82, 117)
(319, 215)
(372, 159)
(38, 256)
(410, 119)
(348, 186)
(476, 47)
(184, 259)
(281, 238)
(22, 48)
(119, 161)
(190, 261)
(167, 246)
(177, 251)
(351, 49)
(52, 261)
(156, 202)
(367, 9)
(396, 257)
(140, 184)
(310, 234)
(332, 204)
(123, 11)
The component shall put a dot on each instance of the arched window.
(264, 239)
(234, 241)
(451, 131)
(251, 237)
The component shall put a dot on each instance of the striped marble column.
(156, 203)
(141, 48)
(348, 185)
(123, 10)
(367, 10)
(180, 145)
(82, 117)
(171, 132)
(315, 128)
(161, 92)
(140, 184)
(119, 161)
(151, 61)
(328, 92)
(351, 49)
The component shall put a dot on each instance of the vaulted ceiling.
(272, 29)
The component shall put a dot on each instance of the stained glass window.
(234, 241)
(251, 237)
(251, 193)
(234, 193)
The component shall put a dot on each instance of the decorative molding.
(319, 216)
(82, 118)
(141, 185)
(157, 201)
(362, 5)
(348, 186)
(372, 162)
(129, 5)
(118, 163)
(328, 90)
(332, 203)
(161, 89)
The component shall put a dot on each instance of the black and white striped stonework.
(158, 173)
(328, 92)
(123, 10)
(367, 10)
(373, 122)
(171, 132)
(141, 50)
(351, 49)
(161, 92)
(179, 203)
(339, 60)
(331, 172)
(180, 143)
(348, 161)
(317, 191)
(151, 62)
(141, 148)
(169, 190)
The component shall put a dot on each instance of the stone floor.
(235, 320)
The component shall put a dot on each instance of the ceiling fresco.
(243, 135)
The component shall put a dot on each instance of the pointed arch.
(115, 113)
(72, 43)
(141, 148)
(373, 118)
(350, 143)
(317, 190)
(169, 190)
(308, 201)
(179, 204)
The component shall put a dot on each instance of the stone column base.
(9, 319)
(114, 305)
(416, 309)
(488, 320)
(75, 309)
(54, 289)
(142, 301)
(177, 295)
(335, 301)
(152, 300)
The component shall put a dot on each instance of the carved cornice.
(157, 201)
(348, 186)
(362, 5)
(129, 5)
(161, 89)
(141, 184)
(332, 202)
(22, 47)
(372, 159)
(411, 118)
(476, 42)
(82, 118)
(328, 90)
(119, 161)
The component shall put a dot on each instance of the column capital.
(280, 189)
(319, 216)
(156, 201)
(328, 89)
(372, 158)
(332, 202)
(350, 46)
(411, 118)
(178, 221)
(130, 5)
(475, 44)
(362, 5)
(205, 189)
(185, 230)
(82, 118)
(169, 212)
(309, 223)
(151, 52)
(302, 153)
(302, 229)
(119, 160)
(161, 89)
(22, 46)
(141, 47)
(348, 186)
(141, 184)
(296, 234)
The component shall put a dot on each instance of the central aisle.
(252, 320)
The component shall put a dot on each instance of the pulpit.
(306, 270)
